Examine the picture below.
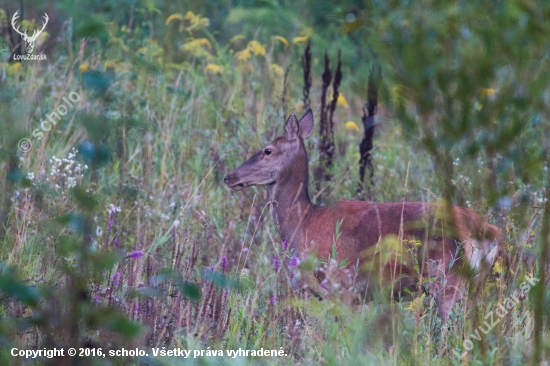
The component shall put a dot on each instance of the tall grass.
(119, 232)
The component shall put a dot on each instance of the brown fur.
(309, 228)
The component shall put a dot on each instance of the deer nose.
(226, 180)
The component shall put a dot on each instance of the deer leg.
(446, 289)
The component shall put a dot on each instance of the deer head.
(276, 160)
(29, 40)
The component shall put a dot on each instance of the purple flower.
(115, 278)
(293, 261)
(272, 299)
(137, 254)
(111, 220)
(285, 245)
(225, 294)
(224, 262)
(276, 264)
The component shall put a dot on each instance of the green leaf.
(190, 290)
(11, 286)
(83, 199)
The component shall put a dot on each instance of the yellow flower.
(14, 68)
(342, 101)
(214, 69)
(278, 70)
(282, 39)
(417, 304)
(299, 39)
(256, 47)
(243, 55)
(177, 16)
(84, 67)
(485, 92)
(497, 268)
(195, 47)
(193, 21)
(352, 126)
(253, 47)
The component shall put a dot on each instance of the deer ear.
(306, 124)
(291, 127)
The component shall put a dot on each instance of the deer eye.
(267, 151)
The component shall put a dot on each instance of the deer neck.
(291, 202)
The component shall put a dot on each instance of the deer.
(457, 239)
(29, 40)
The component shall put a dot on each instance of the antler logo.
(29, 40)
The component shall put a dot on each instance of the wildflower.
(278, 70)
(111, 220)
(194, 21)
(224, 263)
(342, 101)
(115, 278)
(253, 47)
(225, 295)
(257, 48)
(497, 268)
(98, 231)
(293, 261)
(282, 39)
(243, 55)
(84, 68)
(272, 299)
(214, 69)
(352, 126)
(276, 264)
(285, 245)
(417, 304)
(138, 254)
(195, 47)
(299, 39)
(14, 68)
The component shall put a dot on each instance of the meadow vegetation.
(117, 230)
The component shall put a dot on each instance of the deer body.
(310, 228)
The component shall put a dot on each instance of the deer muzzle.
(231, 180)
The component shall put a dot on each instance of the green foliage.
(121, 243)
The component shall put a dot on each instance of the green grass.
(159, 140)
